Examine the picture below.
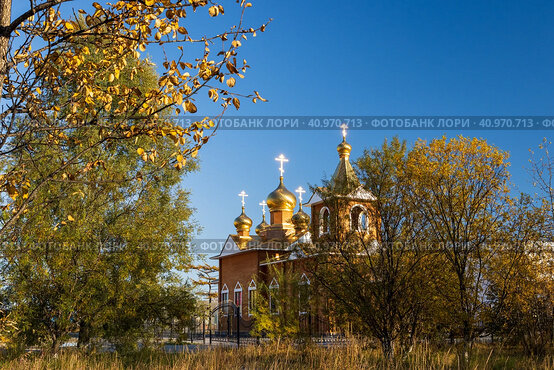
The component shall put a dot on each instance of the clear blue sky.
(372, 58)
(376, 58)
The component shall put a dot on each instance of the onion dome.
(243, 222)
(281, 199)
(300, 219)
(344, 149)
(261, 227)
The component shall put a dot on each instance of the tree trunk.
(56, 345)
(5, 19)
(387, 345)
(84, 334)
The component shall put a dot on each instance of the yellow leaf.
(236, 103)
(70, 218)
(69, 26)
(214, 11)
(12, 191)
(231, 67)
(140, 151)
(190, 107)
(231, 82)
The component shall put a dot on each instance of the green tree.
(97, 251)
(282, 305)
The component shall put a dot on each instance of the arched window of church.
(273, 296)
(251, 297)
(238, 297)
(224, 297)
(324, 221)
(304, 295)
(359, 220)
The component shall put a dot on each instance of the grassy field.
(283, 356)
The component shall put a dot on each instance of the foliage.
(282, 306)
(374, 275)
(206, 277)
(542, 172)
(96, 254)
(460, 186)
(46, 48)
(448, 253)
(7, 328)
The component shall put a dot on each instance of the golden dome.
(281, 199)
(262, 225)
(344, 149)
(300, 219)
(243, 222)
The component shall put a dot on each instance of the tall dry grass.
(285, 356)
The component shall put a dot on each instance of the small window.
(358, 219)
(324, 220)
(364, 221)
(273, 299)
(225, 298)
(238, 297)
(251, 297)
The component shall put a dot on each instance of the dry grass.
(283, 356)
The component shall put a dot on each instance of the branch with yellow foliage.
(63, 73)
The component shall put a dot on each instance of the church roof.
(344, 180)
(344, 183)
(231, 245)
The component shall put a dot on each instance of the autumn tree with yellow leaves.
(47, 47)
(456, 255)
(460, 186)
(91, 161)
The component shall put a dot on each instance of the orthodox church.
(245, 258)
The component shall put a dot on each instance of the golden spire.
(344, 179)
(262, 225)
(281, 199)
(300, 219)
(344, 148)
(300, 191)
(243, 222)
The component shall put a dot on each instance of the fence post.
(191, 326)
(228, 324)
(210, 326)
(204, 329)
(238, 326)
